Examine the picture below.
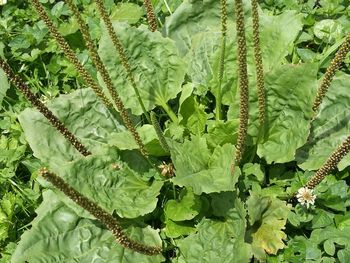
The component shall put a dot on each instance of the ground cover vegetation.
(174, 131)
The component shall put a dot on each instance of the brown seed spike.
(330, 72)
(330, 164)
(106, 77)
(258, 63)
(122, 54)
(103, 216)
(243, 82)
(69, 52)
(16, 81)
(150, 15)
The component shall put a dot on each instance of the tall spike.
(121, 51)
(330, 164)
(69, 52)
(152, 21)
(330, 72)
(258, 63)
(243, 83)
(103, 216)
(16, 81)
(106, 77)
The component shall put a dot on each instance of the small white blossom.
(2, 2)
(306, 197)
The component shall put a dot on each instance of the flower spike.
(103, 216)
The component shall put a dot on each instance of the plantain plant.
(187, 141)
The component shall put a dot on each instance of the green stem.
(221, 72)
(170, 112)
(141, 103)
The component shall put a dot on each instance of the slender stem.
(159, 133)
(222, 57)
(167, 7)
(170, 112)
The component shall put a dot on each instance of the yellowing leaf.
(267, 224)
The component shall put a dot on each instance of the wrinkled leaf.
(58, 234)
(291, 90)
(330, 127)
(205, 171)
(127, 12)
(112, 184)
(82, 113)
(217, 241)
(157, 69)
(272, 215)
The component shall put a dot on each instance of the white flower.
(306, 197)
(2, 2)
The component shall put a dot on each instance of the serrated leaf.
(58, 234)
(268, 234)
(217, 241)
(290, 96)
(330, 127)
(187, 208)
(157, 69)
(205, 171)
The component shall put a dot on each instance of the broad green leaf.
(157, 68)
(222, 203)
(180, 228)
(205, 171)
(4, 86)
(193, 115)
(254, 169)
(290, 93)
(271, 213)
(301, 249)
(112, 184)
(58, 234)
(330, 127)
(328, 30)
(192, 17)
(82, 113)
(125, 140)
(220, 132)
(127, 12)
(333, 193)
(187, 208)
(218, 241)
(331, 237)
(322, 219)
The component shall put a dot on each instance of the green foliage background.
(244, 213)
